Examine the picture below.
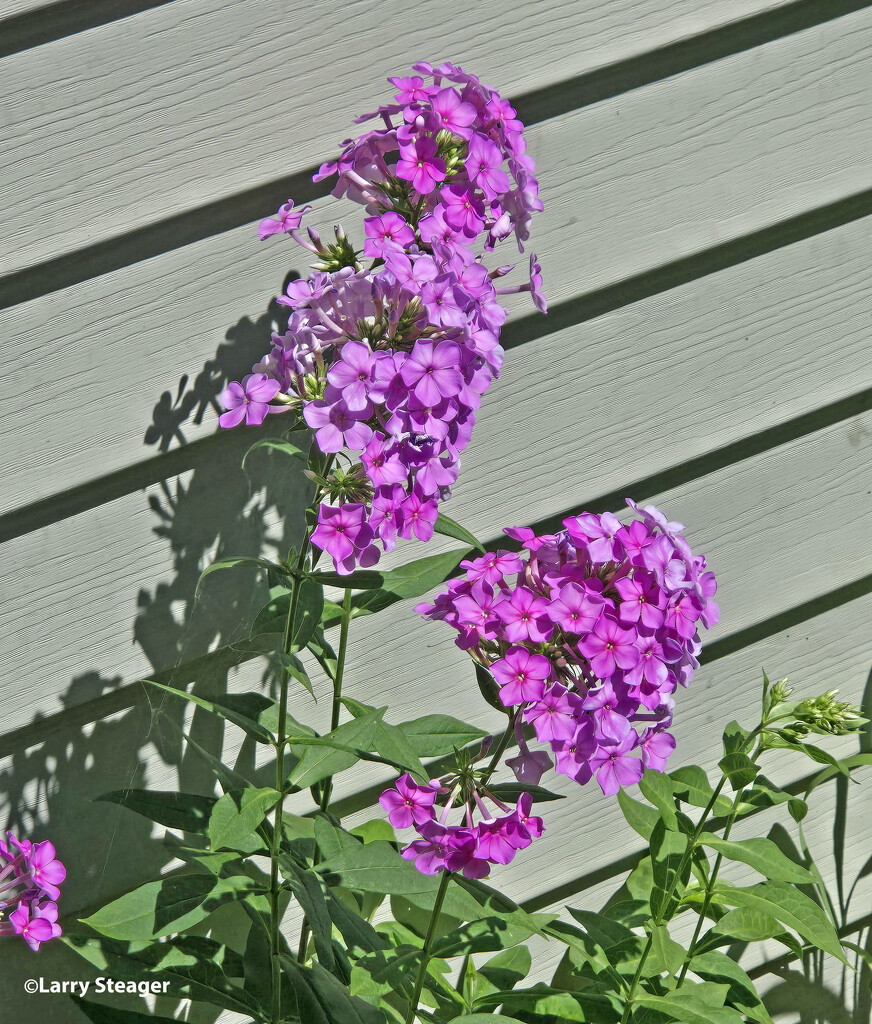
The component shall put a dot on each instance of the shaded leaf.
(186, 811)
(326, 999)
(243, 709)
(168, 905)
(656, 787)
(237, 814)
(511, 791)
(720, 968)
(99, 1013)
(686, 1007)
(276, 445)
(735, 738)
(238, 563)
(319, 761)
(691, 785)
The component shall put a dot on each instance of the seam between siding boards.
(97, 492)
(133, 694)
(533, 107)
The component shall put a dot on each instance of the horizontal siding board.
(131, 334)
(184, 104)
(79, 584)
(825, 647)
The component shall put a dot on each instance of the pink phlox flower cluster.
(390, 361)
(470, 847)
(587, 635)
(30, 876)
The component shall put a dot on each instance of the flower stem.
(500, 749)
(275, 847)
(688, 853)
(327, 784)
(428, 945)
(716, 867)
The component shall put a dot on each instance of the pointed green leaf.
(761, 854)
(319, 761)
(306, 886)
(736, 739)
(511, 791)
(435, 735)
(691, 785)
(686, 1006)
(723, 969)
(484, 1018)
(792, 908)
(244, 709)
(326, 997)
(656, 787)
(488, 934)
(237, 563)
(168, 905)
(390, 741)
(99, 1013)
(295, 670)
(310, 604)
(276, 445)
(640, 817)
(449, 528)
(186, 811)
(667, 856)
(739, 769)
(666, 954)
(236, 815)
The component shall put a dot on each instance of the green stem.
(710, 884)
(500, 749)
(275, 846)
(428, 945)
(685, 859)
(327, 784)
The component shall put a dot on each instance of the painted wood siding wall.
(706, 172)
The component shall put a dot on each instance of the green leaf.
(295, 670)
(171, 904)
(723, 969)
(436, 735)
(243, 710)
(736, 739)
(237, 563)
(488, 934)
(691, 785)
(656, 787)
(551, 1003)
(186, 811)
(666, 954)
(391, 742)
(236, 815)
(331, 839)
(310, 604)
(747, 925)
(407, 581)
(489, 688)
(306, 886)
(667, 855)
(449, 528)
(99, 1013)
(276, 445)
(511, 791)
(317, 762)
(376, 867)
(322, 998)
(761, 854)
(485, 1018)
(686, 1006)
(789, 906)
(374, 830)
(739, 769)
(854, 761)
(508, 968)
(640, 817)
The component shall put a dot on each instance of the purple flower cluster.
(390, 361)
(469, 847)
(587, 636)
(29, 878)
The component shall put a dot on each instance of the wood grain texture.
(196, 100)
(86, 587)
(129, 335)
